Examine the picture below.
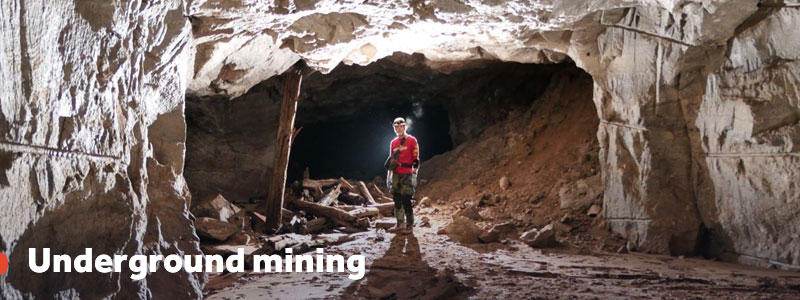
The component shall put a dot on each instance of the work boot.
(409, 229)
(397, 227)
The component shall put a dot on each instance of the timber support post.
(273, 204)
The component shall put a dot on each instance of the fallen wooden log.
(346, 184)
(375, 190)
(351, 198)
(317, 194)
(385, 199)
(348, 230)
(365, 192)
(330, 197)
(363, 212)
(386, 209)
(315, 225)
(280, 242)
(348, 207)
(320, 183)
(336, 215)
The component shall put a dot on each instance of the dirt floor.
(538, 168)
(425, 265)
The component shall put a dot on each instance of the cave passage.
(355, 147)
(346, 119)
(346, 115)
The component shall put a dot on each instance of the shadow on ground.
(402, 274)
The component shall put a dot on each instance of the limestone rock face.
(91, 143)
(746, 148)
(232, 146)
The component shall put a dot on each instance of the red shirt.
(409, 152)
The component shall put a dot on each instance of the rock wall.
(645, 146)
(92, 141)
(231, 144)
(746, 146)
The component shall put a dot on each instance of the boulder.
(425, 222)
(425, 202)
(581, 193)
(215, 206)
(504, 227)
(497, 232)
(544, 237)
(214, 229)
(504, 183)
(462, 230)
(594, 210)
(490, 236)
(471, 212)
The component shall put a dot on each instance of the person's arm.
(389, 172)
(415, 154)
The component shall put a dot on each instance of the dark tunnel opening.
(355, 147)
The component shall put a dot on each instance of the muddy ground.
(425, 265)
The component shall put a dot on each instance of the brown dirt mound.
(548, 154)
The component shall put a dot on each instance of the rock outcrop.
(92, 141)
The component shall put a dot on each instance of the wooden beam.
(385, 199)
(375, 190)
(321, 183)
(368, 211)
(272, 205)
(386, 209)
(315, 225)
(331, 197)
(347, 184)
(335, 215)
(365, 193)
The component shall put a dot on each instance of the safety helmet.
(398, 121)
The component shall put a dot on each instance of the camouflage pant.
(402, 190)
(401, 184)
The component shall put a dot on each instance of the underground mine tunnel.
(346, 117)
(569, 149)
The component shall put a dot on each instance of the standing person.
(403, 166)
